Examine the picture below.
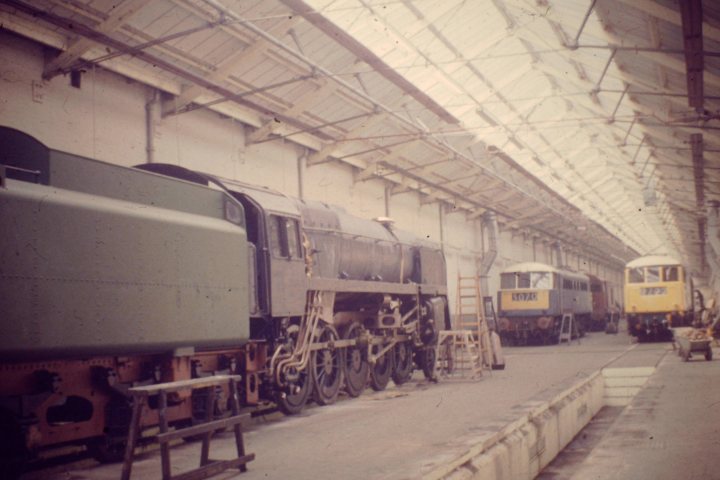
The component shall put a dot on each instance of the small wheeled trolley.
(693, 341)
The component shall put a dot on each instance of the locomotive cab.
(657, 297)
(276, 254)
(274, 229)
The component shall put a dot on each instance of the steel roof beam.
(230, 63)
(670, 15)
(326, 89)
(692, 15)
(81, 45)
(363, 53)
(696, 141)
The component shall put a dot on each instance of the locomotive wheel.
(326, 368)
(403, 363)
(293, 403)
(357, 368)
(108, 448)
(428, 363)
(381, 371)
(221, 409)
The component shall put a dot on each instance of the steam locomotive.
(113, 277)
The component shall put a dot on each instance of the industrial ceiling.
(592, 123)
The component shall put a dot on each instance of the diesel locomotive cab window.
(652, 274)
(636, 275)
(507, 281)
(523, 280)
(541, 280)
(285, 237)
(671, 274)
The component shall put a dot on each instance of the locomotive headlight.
(233, 212)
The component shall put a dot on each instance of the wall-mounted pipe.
(490, 225)
(557, 250)
(713, 240)
(150, 107)
(301, 167)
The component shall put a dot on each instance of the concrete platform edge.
(522, 448)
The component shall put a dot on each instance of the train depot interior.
(359, 239)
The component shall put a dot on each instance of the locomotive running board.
(361, 286)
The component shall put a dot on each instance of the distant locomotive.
(600, 314)
(112, 277)
(532, 299)
(658, 296)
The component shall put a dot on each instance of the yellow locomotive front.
(657, 297)
(527, 303)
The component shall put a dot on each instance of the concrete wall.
(106, 119)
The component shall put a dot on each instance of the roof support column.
(692, 15)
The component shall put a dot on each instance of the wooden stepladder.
(457, 354)
(568, 328)
(466, 349)
(471, 316)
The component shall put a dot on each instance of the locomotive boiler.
(113, 277)
(533, 298)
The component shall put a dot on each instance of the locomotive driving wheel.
(326, 367)
(382, 370)
(402, 351)
(427, 362)
(107, 448)
(357, 368)
(293, 401)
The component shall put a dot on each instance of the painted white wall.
(106, 119)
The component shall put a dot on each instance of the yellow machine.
(657, 297)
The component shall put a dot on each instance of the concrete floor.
(670, 431)
(405, 432)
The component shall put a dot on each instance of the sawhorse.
(208, 466)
